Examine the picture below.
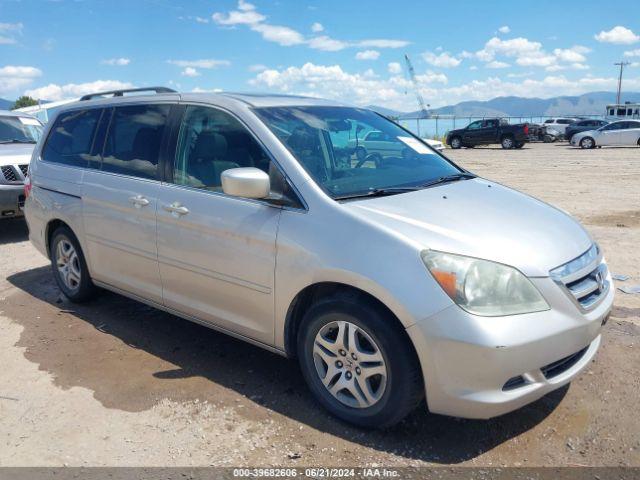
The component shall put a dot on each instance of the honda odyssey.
(390, 276)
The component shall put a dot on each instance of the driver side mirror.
(248, 182)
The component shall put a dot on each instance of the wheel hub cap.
(350, 364)
(68, 264)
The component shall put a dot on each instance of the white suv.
(18, 136)
(559, 124)
(389, 278)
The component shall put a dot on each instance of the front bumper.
(467, 360)
(11, 201)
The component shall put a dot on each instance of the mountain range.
(588, 103)
(5, 104)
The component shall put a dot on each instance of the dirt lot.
(117, 383)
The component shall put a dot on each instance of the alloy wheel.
(350, 364)
(68, 264)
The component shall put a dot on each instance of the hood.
(481, 219)
(586, 133)
(16, 153)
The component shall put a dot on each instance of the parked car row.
(623, 133)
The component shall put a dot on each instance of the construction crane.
(412, 76)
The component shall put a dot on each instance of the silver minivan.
(390, 276)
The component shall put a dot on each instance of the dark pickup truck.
(488, 131)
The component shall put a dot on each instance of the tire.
(507, 142)
(549, 139)
(519, 145)
(392, 395)
(456, 142)
(69, 266)
(587, 143)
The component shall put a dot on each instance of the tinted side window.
(132, 145)
(212, 141)
(71, 138)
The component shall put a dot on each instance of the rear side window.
(132, 144)
(71, 138)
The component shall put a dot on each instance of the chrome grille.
(9, 174)
(584, 278)
(24, 169)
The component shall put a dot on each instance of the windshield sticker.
(29, 121)
(414, 144)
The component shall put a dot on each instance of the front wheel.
(507, 143)
(587, 142)
(357, 363)
(69, 266)
(456, 142)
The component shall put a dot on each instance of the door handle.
(176, 209)
(139, 201)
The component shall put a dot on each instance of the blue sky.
(348, 50)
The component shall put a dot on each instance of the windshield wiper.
(378, 192)
(17, 140)
(448, 178)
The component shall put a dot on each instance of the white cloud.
(332, 81)
(367, 55)
(504, 29)
(190, 72)
(116, 62)
(531, 54)
(382, 43)
(632, 53)
(443, 60)
(574, 54)
(8, 32)
(203, 63)
(13, 77)
(284, 36)
(394, 67)
(497, 64)
(247, 14)
(53, 92)
(619, 35)
(327, 44)
(473, 67)
(201, 20)
(257, 67)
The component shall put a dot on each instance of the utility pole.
(622, 65)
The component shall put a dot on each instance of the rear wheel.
(587, 142)
(357, 363)
(69, 266)
(507, 143)
(456, 142)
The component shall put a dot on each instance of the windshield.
(20, 130)
(349, 151)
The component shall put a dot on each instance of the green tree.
(24, 101)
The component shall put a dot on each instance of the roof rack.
(120, 93)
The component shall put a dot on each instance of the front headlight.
(482, 287)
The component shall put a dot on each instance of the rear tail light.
(27, 186)
(526, 129)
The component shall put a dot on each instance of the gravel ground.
(117, 383)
